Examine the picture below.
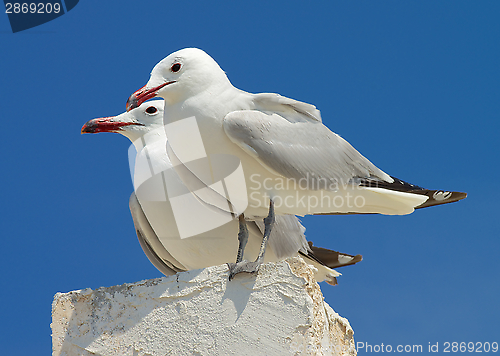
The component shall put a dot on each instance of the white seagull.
(155, 222)
(291, 162)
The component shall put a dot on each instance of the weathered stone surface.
(278, 311)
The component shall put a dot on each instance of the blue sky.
(414, 86)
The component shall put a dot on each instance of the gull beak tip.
(88, 127)
(132, 102)
(143, 94)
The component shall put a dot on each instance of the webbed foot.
(243, 266)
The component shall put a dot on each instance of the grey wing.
(151, 245)
(287, 236)
(299, 149)
(292, 109)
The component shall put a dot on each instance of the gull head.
(179, 76)
(132, 124)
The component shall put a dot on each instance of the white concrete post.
(280, 311)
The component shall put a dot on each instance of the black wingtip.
(331, 258)
(436, 197)
(439, 197)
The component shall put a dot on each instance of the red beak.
(105, 124)
(142, 95)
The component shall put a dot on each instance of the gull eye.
(151, 110)
(175, 67)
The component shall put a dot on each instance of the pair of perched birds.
(220, 173)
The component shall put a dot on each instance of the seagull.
(155, 222)
(291, 162)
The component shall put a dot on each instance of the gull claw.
(243, 266)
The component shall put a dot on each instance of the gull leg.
(268, 226)
(252, 267)
(242, 238)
